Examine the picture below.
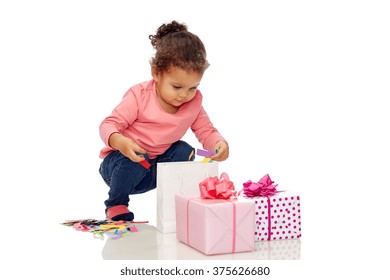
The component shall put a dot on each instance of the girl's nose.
(183, 94)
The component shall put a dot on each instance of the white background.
(298, 88)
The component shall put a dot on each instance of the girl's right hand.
(127, 147)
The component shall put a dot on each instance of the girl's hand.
(127, 147)
(221, 150)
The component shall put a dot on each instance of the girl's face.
(176, 87)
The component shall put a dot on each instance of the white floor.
(150, 244)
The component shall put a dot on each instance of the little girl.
(146, 126)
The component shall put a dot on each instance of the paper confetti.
(99, 228)
(204, 153)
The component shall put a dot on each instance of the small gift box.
(217, 224)
(277, 213)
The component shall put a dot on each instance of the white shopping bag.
(178, 178)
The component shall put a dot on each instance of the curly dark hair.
(176, 46)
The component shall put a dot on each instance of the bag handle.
(181, 189)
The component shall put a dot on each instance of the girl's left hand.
(221, 150)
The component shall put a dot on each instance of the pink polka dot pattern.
(284, 214)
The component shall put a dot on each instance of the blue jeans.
(125, 177)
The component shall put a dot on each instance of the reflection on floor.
(150, 244)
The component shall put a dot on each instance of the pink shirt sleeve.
(205, 132)
(121, 118)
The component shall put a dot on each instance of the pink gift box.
(215, 226)
(277, 217)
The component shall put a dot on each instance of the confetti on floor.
(114, 229)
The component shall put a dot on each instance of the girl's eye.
(176, 87)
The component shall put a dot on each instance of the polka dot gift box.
(277, 213)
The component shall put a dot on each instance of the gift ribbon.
(234, 237)
(264, 187)
(269, 217)
(218, 188)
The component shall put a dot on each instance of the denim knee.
(125, 178)
(107, 166)
(118, 170)
(179, 151)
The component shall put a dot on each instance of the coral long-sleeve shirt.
(140, 117)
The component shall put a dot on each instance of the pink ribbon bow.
(215, 188)
(264, 187)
